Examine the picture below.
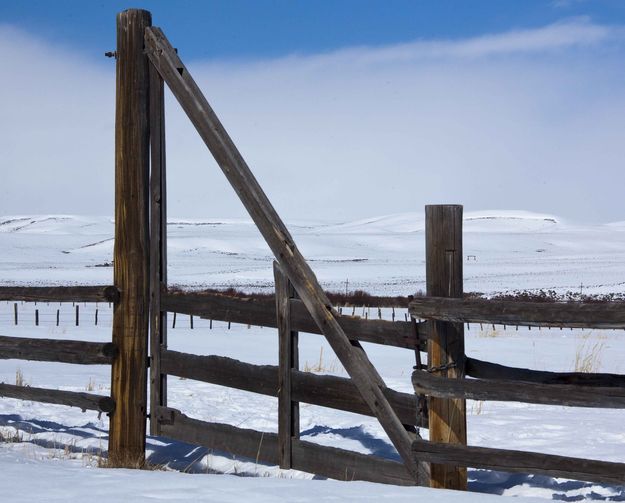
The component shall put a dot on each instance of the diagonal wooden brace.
(164, 58)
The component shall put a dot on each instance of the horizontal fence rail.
(527, 392)
(84, 401)
(52, 350)
(105, 293)
(263, 313)
(488, 370)
(514, 312)
(520, 461)
(263, 447)
(323, 390)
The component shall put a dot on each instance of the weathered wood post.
(288, 410)
(447, 418)
(158, 247)
(130, 315)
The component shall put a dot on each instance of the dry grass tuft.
(19, 378)
(476, 407)
(134, 462)
(11, 436)
(321, 366)
(589, 354)
(490, 332)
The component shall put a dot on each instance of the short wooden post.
(130, 315)
(58, 316)
(15, 312)
(77, 315)
(36, 317)
(158, 247)
(288, 410)
(447, 418)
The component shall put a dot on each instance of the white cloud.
(56, 128)
(568, 34)
(565, 4)
(529, 119)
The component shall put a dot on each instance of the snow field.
(58, 453)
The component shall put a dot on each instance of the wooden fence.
(145, 62)
(61, 351)
(445, 383)
(286, 382)
(301, 304)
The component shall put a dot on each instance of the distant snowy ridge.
(503, 251)
(395, 223)
(490, 220)
(510, 215)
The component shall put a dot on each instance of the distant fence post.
(130, 315)
(288, 410)
(447, 418)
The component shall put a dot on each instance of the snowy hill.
(509, 250)
(505, 250)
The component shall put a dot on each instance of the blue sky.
(271, 28)
(343, 110)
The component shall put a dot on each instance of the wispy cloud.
(565, 4)
(568, 34)
(526, 119)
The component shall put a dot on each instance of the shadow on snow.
(189, 458)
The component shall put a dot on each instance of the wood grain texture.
(84, 401)
(400, 334)
(354, 360)
(262, 447)
(54, 350)
(341, 464)
(324, 390)
(447, 418)
(158, 244)
(104, 293)
(131, 251)
(519, 461)
(487, 370)
(522, 313)
(518, 391)
(288, 358)
(251, 311)
(340, 393)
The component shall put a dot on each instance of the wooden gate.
(156, 58)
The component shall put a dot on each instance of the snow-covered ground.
(56, 457)
(506, 250)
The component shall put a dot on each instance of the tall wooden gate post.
(288, 410)
(130, 317)
(447, 418)
(158, 247)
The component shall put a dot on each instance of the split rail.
(446, 382)
(146, 61)
(60, 351)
